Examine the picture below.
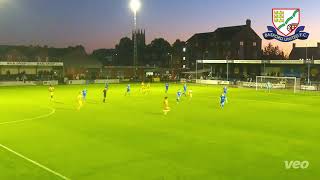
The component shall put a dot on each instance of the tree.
(158, 52)
(105, 56)
(271, 52)
(124, 52)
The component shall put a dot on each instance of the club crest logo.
(286, 21)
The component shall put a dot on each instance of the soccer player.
(51, 90)
(185, 89)
(148, 88)
(107, 85)
(84, 94)
(80, 101)
(128, 90)
(269, 86)
(222, 100)
(143, 87)
(225, 90)
(166, 107)
(167, 87)
(178, 96)
(190, 94)
(105, 94)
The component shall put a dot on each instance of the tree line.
(161, 53)
(158, 52)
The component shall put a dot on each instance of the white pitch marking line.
(34, 162)
(30, 119)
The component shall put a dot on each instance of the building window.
(254, 44)
(184, 49)
(241, 43)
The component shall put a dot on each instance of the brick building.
(234, 42)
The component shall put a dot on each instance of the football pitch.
(129, 137)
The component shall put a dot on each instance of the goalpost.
(278, 83)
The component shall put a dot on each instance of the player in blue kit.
(222, 100)
(167, 87)
(178, 96)
(128, 90)
(225, 90)
(84, 94)
(185, 89)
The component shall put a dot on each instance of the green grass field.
(129, 138)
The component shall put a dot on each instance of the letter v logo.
(288, 164)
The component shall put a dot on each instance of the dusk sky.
(101, 23)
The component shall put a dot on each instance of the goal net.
(270, 82)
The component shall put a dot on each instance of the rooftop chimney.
(248, 22)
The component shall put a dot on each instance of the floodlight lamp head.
(135, 5)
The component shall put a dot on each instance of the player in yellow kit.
(51, 91)
(80, 101)
(190, 94)
(148, 88)
(143, 88)
(166, 107)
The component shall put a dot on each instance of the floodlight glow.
(135, 5)
(3, 3)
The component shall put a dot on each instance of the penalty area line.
(34, 162)
(31, 119)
